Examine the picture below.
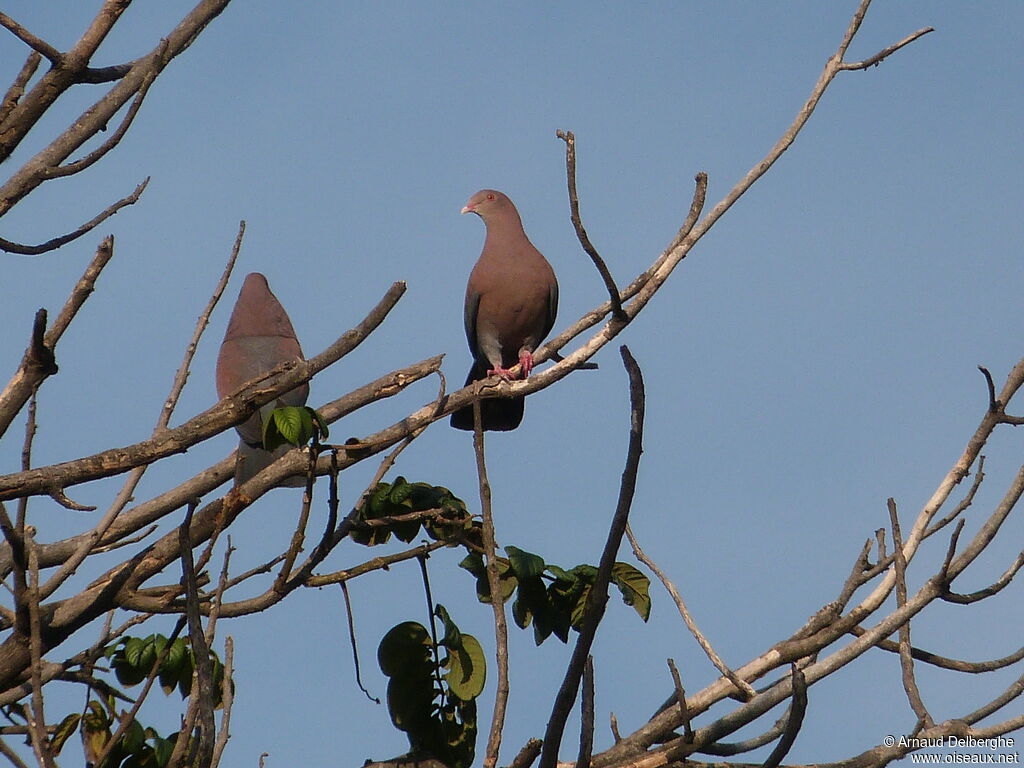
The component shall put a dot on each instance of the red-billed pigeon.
(259, 337)
(511, 301)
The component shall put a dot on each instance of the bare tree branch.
(598, 597)
(581, 232)
(497, 604)
(743, 688)
(56, 242)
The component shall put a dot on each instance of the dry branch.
(598, 596)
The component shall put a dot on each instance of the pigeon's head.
(487, 203)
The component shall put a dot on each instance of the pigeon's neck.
(505, 227)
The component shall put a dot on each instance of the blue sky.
(814, 355)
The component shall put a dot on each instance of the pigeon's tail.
(497, 414)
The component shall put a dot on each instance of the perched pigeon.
(259, 337)
(511, 301)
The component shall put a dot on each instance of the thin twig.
(40, 741)
(77, 166)
(906, 659)
(944, 662)
(981, 594)
(32, 41)
(993, 403)
(743, 688)
(598, 597)
(494, 585)
(875, 60)
(796, 719)
(227, 700)
(17, 89)
(677, 682)
(586, 716)
(54, 243)
(200, 649)
(435, 648)
(581, 232)
(527, 754)
(352, 642)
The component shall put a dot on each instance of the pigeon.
(511, 301)
(259, 338)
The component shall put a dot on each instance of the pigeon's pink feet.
(526, 361)
(504, 373)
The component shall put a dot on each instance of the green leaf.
(63, 731)
(188, 666)
(148, 654)
(524, 564)
(521, 614)
(410, 701)
(290, 425)
(531, 601)
(134, 737)
(404, 651)
(406, 531)
(452, 636)
(401, 491)
(377, 504)
(170, 670)
(320, 422)
(162, 749)
(474, 563)
(133, 649)
(126, 673)
(467, 670)
(560, 574)
(635, 588)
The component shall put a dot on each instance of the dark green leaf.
(401, 491)
(410, 701)
(188, 666)
(406, 531)
(126, 673)
(635, 588)
(404, 651)
(162, 749)
(321, 423)
(560, 574)
(474, 563)
(525, 565)
(452, 636)
(521, 614)
(134, 737)
(133, 649)
(64, 730)
(377, 504)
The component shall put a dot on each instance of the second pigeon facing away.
(511, 302)
(259, 338)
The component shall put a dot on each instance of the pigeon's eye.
(490, 196)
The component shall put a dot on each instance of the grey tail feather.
(253, 459)
(497, 414)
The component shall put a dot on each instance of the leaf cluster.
(432, 689)
(137, 747)
(394, 503)
(560, 604)
(132, 659)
